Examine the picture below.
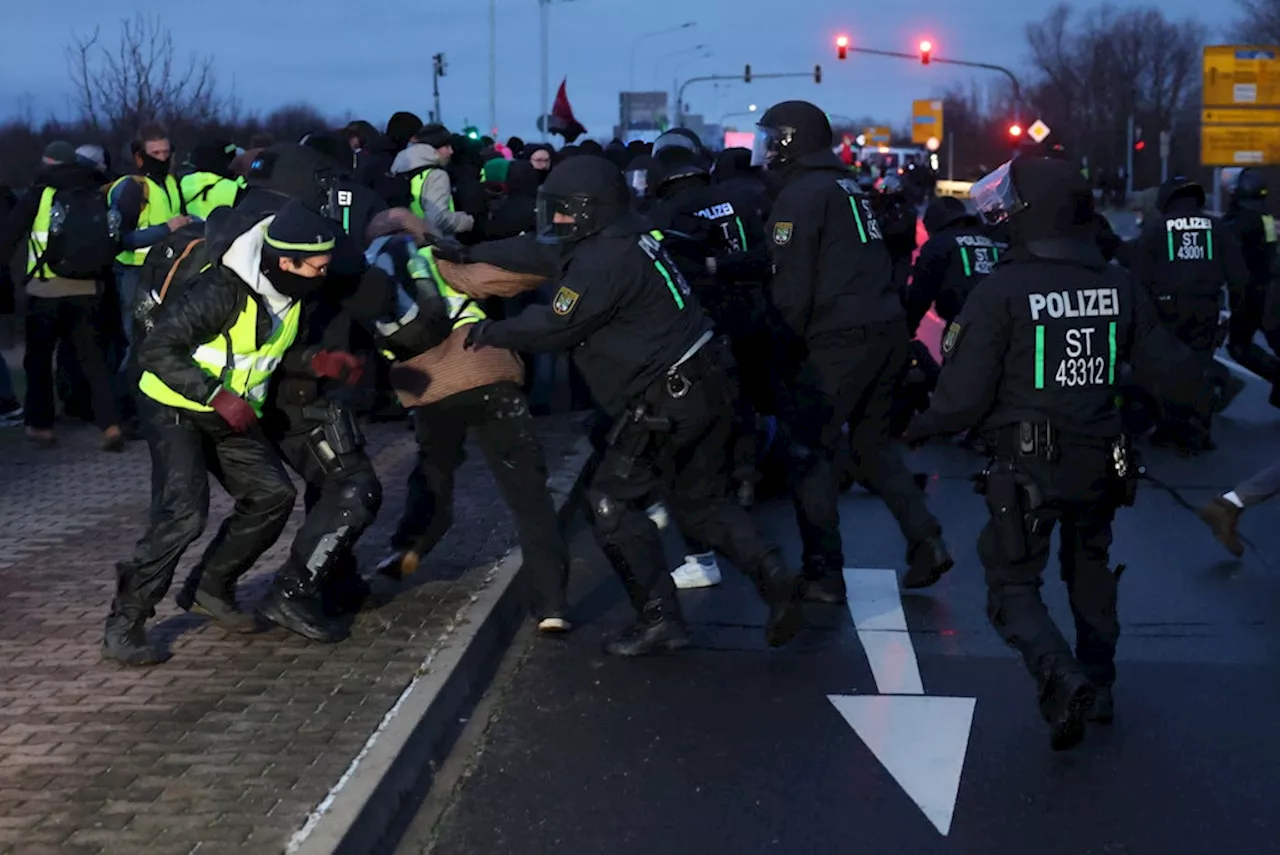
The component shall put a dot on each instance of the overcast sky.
(369, 59)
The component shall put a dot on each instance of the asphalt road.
(730, 747)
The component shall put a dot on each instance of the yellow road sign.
(926, 120)
(878, 135)
(1227, 145)
(1227, 116)
(1241, 75)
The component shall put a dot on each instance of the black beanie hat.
(213, 156)
(401, 127)
(299, 232)
(434, 135)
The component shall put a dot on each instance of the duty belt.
(1042, 440)
(702, 360)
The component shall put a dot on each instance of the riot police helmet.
(1040, 198)
(1176, 188)
(581, 197)
(945, 211)
(789, 131)
(1250, 185)
(682, 139)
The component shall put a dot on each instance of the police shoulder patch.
(782, 233)
(564, 301)
(952, 337)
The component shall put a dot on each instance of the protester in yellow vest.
(207, 364)
(150, 206)
(210, 184)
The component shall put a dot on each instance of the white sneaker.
(697, 571)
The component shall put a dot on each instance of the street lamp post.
(636, 46)
(544, 9)
(675, 82)
(681, 52)
(750, 111)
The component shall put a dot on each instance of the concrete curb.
(364, 812)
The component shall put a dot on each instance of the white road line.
(876, 608)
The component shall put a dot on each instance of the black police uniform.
(958, 255)
(1255, 307)
(1033, 360)
(654, 364)
(898, 222)
(718, 223)
(1182, 259)
(833, 287)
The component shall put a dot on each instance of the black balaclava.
(213, 156)
(153, 167)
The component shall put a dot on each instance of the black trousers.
(854, 385)
(684, 458)
(1079, 494)
(185, 449)
(77, 322)
(504, 429)
(1194, 321)
(342, 498)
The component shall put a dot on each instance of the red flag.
(846, 152)
(562, 120)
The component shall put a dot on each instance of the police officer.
(721, 251)
(1032, 359)
(207, 366)
(833, 286)
(1182, 259)
(898, 221)
(958, 255)
(1255, 230)
(655, 365)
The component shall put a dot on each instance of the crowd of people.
(729, 313)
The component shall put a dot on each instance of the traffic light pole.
(714, 77)
(1017, 87)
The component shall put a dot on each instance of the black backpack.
(397, 189)
(171, 265)
(84, 235)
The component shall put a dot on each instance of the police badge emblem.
(949, 340)
(564, 301)
(782, 233)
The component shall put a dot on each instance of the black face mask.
(295, 286)
(154, 168)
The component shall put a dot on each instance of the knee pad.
(605, 513)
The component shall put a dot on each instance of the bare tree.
(140, 79)
(1259, 22)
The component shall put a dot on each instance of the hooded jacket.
(213, 302)
(437, 189)
(22, 217)
(517, 212)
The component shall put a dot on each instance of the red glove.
(235, 411)
(338, 365)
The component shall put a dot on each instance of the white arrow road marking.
(921, 741)
(876, 608)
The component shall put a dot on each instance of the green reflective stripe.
(656, 235)
(742, 233)
(1039, 356)
(995, 254)
(671, 286)
(1209, 237)
(346, 221)
(1171, 244)
(319, 248)
(857, 218)
(1111, 363)
(964, 258)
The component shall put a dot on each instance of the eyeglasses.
(318, 269)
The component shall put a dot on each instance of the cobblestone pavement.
(226, 748)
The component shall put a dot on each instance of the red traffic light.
(842, 47)
(1015, 130)
(1139, 145)
(926, 48)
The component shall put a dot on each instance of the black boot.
(125, 641)
(783, 591)
(345, 591)
(658, 627)
(1104, 706)
(930, 561)
(224, 610)
(303, 615)
(825, 588)
(1066, 697)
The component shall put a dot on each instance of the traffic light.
(817, 74)
(842, 47)
(1139, 145)
(471, 132)
(1015, 131)
(926, 49)
(746, 74)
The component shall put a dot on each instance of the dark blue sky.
(345, 56)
